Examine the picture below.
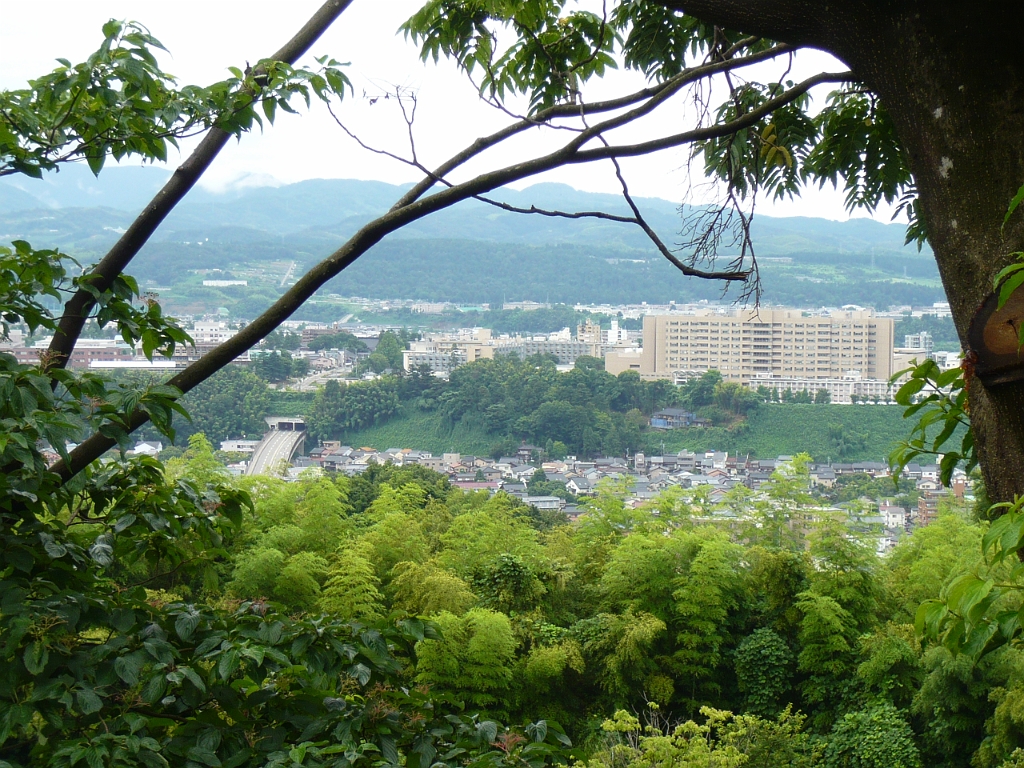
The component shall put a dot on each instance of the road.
(314, 381)
(276, 446)
(288, 274)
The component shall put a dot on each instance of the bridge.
(281, 443)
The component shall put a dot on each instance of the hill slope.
(771, 431)
(470, 253)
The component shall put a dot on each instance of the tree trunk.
(952, 77)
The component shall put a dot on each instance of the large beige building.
(744, 344)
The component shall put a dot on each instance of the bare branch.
(686, 269)
(369, 147)
(555, 214)
(572, 110)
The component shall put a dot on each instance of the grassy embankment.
(423, 431)
(410, 429)
(869, 431)
(283, 403)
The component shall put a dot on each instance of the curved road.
(276, 446)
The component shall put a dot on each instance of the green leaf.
(35, 657)
(186, 623)
(88, 701)
(191, 675)
(154, 690)
(1011, 284)
(111, 29)
(204, 756)
(229, 662)
(1014, 203)
(128, 667)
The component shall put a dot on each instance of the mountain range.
(511, 255)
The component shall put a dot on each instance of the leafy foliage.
(278, 366)
(979, 610)
(763, 670)
(337, 409)
(340, 340)
(943, 405)
(878, 736)
(547, 51)
(554, 49)
(230, 404)
(723, 739)
(119, 103)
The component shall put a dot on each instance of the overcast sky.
(204, 37)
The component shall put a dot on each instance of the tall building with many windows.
(744, 344)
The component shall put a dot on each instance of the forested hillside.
(783, 621)
(489, 407)
(470, 254)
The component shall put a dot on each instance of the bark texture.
(952, 77)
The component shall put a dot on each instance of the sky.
(205, 37)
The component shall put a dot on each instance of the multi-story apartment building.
(425, 353)
(743, 344)
(851, 388)
(922, 341)
(445, 352)
(211, 332)
(564, 351)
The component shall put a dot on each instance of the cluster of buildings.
(114, 353)
(443, 352)
(647, 477)
(851, 353)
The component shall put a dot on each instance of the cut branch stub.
(994, 337)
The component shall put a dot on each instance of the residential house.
(676, 418)
(823, 477)
(580, 486)
(895, 517)
(545, 502)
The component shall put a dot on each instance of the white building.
(919, 341)
(239, 446)
(211, 332)
(895, 517)
(844, 391)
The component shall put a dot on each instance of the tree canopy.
(149, 616)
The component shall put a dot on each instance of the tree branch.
(576, 110)
(653, 236)
(77, 308)
(555, 214)
(398, 217)
(713, 131)
(636, 218)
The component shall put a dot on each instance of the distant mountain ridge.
(333, 209)
(470, 253)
